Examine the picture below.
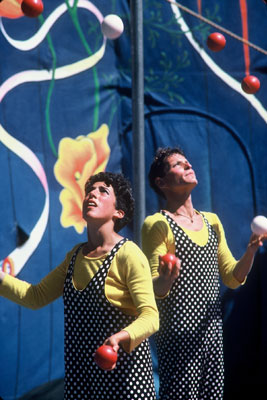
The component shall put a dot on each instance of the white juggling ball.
(112, 26)
(259, 225)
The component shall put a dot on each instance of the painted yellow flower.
(78, 159)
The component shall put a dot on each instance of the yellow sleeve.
(157, 239)
(226, 260)
(39, 295)
(136, 273)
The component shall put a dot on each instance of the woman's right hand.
(170, 270)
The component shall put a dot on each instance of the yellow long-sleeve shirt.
(128, 286)
(158, 239)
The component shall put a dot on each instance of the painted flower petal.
(73, 155)
(78, 159)
(11, 9)
(102, 151)
(99, 138)
(71, 213)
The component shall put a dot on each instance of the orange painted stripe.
(244, 18)
(199, 6)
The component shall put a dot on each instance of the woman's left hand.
(115, 340)
(119, 338)
(256, 241)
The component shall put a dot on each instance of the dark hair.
(160, 166)
(123, 194)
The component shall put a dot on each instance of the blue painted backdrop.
(65, 113)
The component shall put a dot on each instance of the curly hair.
(123, 193)
(160, 166)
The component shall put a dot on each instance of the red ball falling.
(216, 41)
(32, 8)
(250, 84)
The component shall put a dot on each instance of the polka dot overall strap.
(189, 342)
(89, 320)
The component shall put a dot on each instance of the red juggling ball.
(216, 41)
(250, 84)
(105, 357)
(169, 257)
(32, 8)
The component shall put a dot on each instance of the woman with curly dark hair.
(108, 299)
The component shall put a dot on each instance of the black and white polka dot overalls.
(189, 342)
(89, 320)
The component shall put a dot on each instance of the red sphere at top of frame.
(32, 8)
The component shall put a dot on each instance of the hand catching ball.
(105, 357)
(169, 258)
